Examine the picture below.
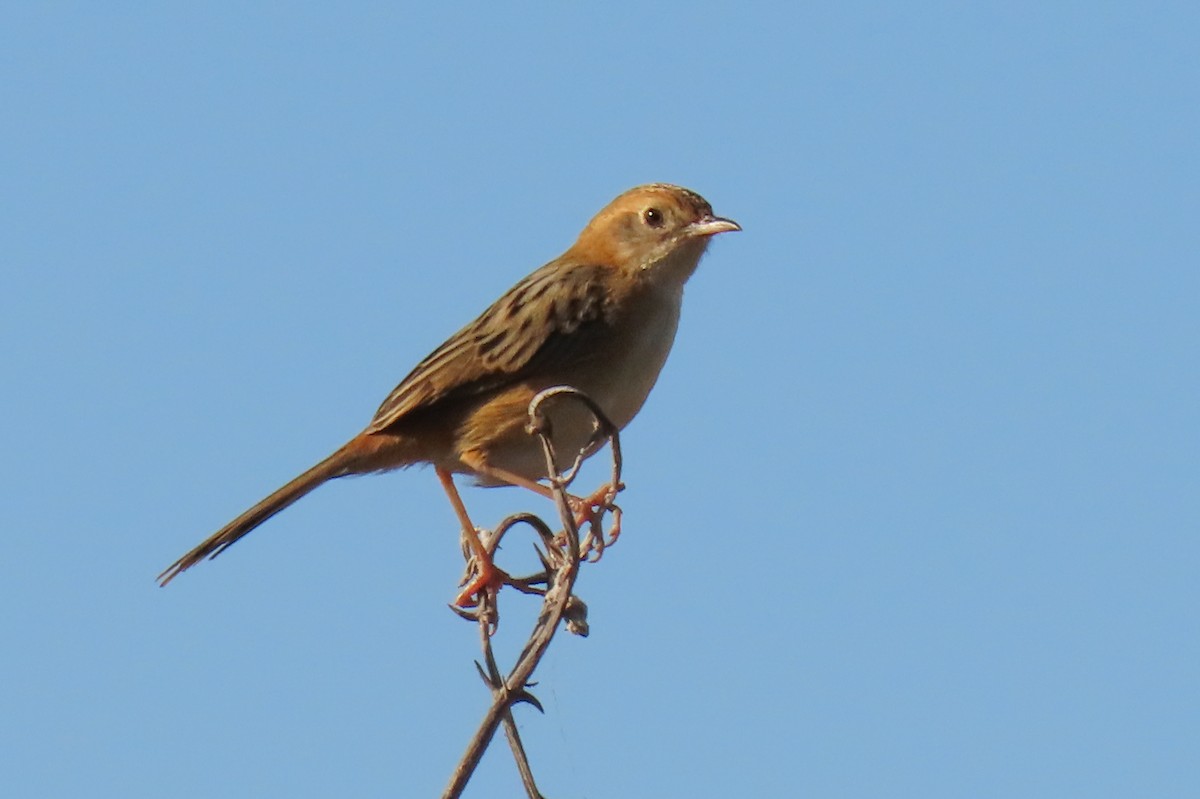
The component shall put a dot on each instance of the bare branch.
(561, 556)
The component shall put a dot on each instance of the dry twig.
(561, 556)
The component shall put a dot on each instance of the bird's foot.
(590, 510)
(488, 578)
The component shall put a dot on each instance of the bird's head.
(657, 230)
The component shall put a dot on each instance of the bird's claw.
(590, 510)
(488, 578)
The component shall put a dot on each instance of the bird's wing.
(548, 318)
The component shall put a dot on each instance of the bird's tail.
(335, 465)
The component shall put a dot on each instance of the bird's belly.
(618, 379)
(622, 380)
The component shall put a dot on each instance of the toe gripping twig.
(560, 555)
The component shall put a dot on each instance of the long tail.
(333, 466)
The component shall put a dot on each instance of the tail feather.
(333, 466)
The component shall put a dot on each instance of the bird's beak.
(711, 226)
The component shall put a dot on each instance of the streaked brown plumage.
(601, 317)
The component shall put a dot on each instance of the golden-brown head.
(656, 227)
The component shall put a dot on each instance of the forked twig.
(561, 556)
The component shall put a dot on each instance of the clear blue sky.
(913, 511)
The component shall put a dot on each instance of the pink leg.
(490, 578)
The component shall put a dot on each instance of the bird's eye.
(653, 217)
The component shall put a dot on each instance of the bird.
(600, 318)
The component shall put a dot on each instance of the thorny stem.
(561, 560)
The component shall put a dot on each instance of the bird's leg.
(489, 577)
(588, 510)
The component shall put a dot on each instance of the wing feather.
(547, 319)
